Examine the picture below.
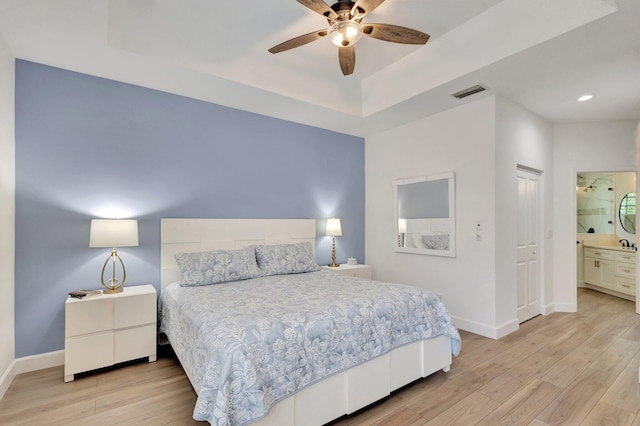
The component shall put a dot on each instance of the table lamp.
(113, 233)
(333, 230)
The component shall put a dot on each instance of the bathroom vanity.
(611, 270)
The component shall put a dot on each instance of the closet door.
(528, 245)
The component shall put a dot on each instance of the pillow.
(286, 259)
(213, 267)
(417, 241)
(436, 242)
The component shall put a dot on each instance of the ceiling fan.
(346, 28)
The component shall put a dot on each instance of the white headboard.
(193, 235)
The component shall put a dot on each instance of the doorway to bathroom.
(606, 232)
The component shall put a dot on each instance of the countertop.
(606, 246)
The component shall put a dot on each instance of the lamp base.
(113, 285)
(333, 263)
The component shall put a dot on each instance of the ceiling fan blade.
(364, 7)
(347, 57)
(395, 33)
(298, 41)
(320, 7)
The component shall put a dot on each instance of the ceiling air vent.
(469, 91)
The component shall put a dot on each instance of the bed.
(272, 346)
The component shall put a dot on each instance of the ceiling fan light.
(345, 33)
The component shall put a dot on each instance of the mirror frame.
(450, 177)
(620, 215)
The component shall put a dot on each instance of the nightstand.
(108, 329)
(360, 271)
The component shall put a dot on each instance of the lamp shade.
(402, 226)
(333, 227)
(345, 33)
(113, 233)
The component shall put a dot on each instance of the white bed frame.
(339, 394)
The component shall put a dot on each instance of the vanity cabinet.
(625, 273)
(599, 267)
(610, 269)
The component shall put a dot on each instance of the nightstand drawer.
(134, 343)
(89, 315)
(88, 352)
(135, 310)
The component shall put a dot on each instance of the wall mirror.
(424, 215)
(627, 212)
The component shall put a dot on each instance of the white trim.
(39, 362)
(28, 364)
(507, 328)
(485, 329)
(565, 307)
(548, 309)
(7, 378)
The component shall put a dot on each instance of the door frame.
(541, 236)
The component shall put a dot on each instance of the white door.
(527, 245)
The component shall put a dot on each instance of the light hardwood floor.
(571, 369)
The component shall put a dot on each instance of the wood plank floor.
(560, 369)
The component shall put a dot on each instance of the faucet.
(625, 242)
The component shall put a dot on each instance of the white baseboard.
(7, 378)
(27, 364)
(548, 309)
(506, 328)
(39, 362)
(484, 329)
(565, 307)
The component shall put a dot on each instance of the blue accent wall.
(88, 147)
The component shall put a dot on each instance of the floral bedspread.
(246, 345)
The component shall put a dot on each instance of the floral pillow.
(213, 267)
(286, 259)
(436, 242)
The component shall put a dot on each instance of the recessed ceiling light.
(584, 98)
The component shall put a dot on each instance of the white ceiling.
(541, 54)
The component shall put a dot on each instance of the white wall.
(7, 216)
(482, 142)
(522, 138)
(605, 146)
(460, 140)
